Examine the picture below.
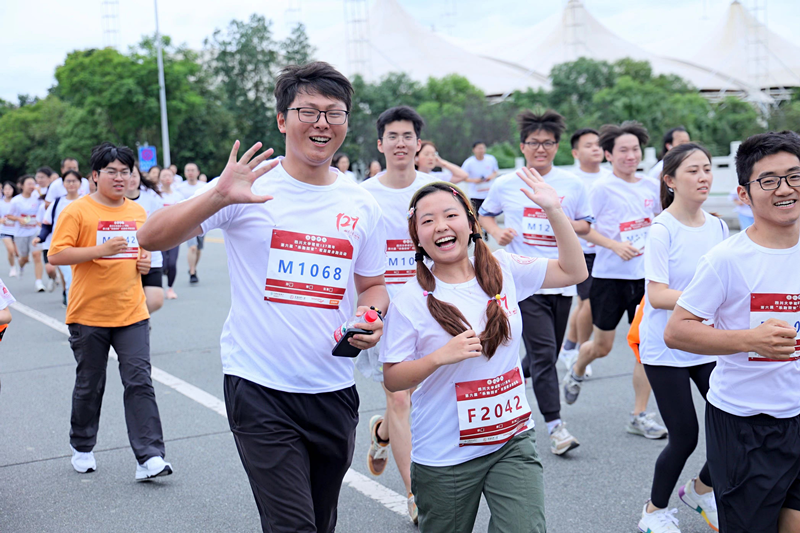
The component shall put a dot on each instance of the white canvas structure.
(575, 33)
(726, 50)
(398, 43)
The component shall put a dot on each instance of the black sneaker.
(193, 278)
(64, 298)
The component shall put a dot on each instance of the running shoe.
(413, 512)
(562, 441)
(83, 462)
(661, 521)
(50, 285)
(13, 272)
(153, 467)
(193, 278)
(645, 425)
(21, 271)
(705, 504)
(39, 285)
(64, 298)
(378, 454)
(572, 387)
(570, 357)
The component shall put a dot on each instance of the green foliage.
(505, 153)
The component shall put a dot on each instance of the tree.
(28, 137)
(297, 49)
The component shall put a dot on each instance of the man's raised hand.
(236, 181)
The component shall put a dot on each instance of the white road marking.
(366, 486)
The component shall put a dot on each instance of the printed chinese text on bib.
(400, 263)
(635, 232)
(784, 307)
(308, 270)
(492, 411)
(109, 229)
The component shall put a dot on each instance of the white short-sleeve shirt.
(589, 179)
(480, 169)
(57, 190)
(739, 285)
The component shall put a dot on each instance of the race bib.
(536, 229)
(483, 186)
(28, 221)
(400, 263)
(635, 232)
(492, 411)
(108, 229)
(8, 223)
(784, 307)
(308, 270)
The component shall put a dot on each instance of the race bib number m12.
(109, 229)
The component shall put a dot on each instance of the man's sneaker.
(13, 272)
(153, 467)
(572, 387)
(705, 504)
(50, 285)
(661, 521)
(83, 462)
(561, 440)
(568, 357)
(193, 278)
(378, 454)
(39, 285)
(589, 371)
(413, 512)
(645, 425)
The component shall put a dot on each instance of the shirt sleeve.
(51, 191)
(492, 206)
(67, 231)
(371, 260)
(527, 272)
(584, 209)
(706, 292)
(48, 215)
(495, 165)
(6, 298)
(656, 260)
(14, 210)
(399, 342)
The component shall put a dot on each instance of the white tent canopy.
(575, 33)
(398, 43)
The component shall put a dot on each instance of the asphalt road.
(599, 487)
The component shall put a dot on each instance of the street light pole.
(162, 93)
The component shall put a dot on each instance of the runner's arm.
(74, 255)
(581, 227)
(661, 296)
(503, 236)
(459, 174)
(5, 316)
(623, 249)
(408, 374)
(570, 267)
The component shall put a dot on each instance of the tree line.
(224, 92)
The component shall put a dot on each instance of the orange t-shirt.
(105, 292)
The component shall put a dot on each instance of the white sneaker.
(705, 504)
(50, 285)
(645, 425)
(39, 285)
(589, 371)
(153, 467)
(661, 521)
(83, 462)
(13, 272)
(562, 441)
(568, 357)
(21, 271)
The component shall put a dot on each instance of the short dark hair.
(106, 153)
(72, 173)
(191, 163)
(338, 157)
(45, 170)
(63, 161)
(21, 180)
(550, 121)
(755, 148)
(576, 137)
(672, 161)
(396, 114)
(476, 143)
(610, 132)
(312, 78)
(14, 185)
(669, 137)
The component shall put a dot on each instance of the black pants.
(296, 449)
(673, 391)
(544, 321)
(171, 264)
(90, 346)
(755, 464)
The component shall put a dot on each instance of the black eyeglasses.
(309, 115)
(535, 145)
(771, 183)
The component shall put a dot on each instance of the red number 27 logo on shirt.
(345, 221)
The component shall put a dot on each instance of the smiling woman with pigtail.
(454, 334)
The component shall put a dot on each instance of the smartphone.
(344, 348)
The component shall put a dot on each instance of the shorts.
(6, 236)
(611, 298)
(753, 459)
(196, 241)
(152, 278)
(25, 246)
(44, 256)
(585, 286)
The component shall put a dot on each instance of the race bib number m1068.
(109, 229)
(308, 270)
(784, 307)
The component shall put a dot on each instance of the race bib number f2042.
(784, 307)
(308, 270)
(110, 229)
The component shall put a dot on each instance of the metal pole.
(162, 93)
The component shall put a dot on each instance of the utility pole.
(162, 93)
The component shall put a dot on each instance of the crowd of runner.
(308, 244)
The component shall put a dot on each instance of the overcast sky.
(35, 36)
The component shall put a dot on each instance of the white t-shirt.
(589, 179)
(535, 236)
(51, 217)
(623, 211)
(480, 169)
(57, 189)
(291, 262)
(673, 251)
(29, 209)
(739, 285)
(412, 333)
(441, 175)
(655, 172)
(177, 179)
(6, 298)
(9, 226)
(400, 263)
(187, 190)
(151, 202)
(171, 198)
